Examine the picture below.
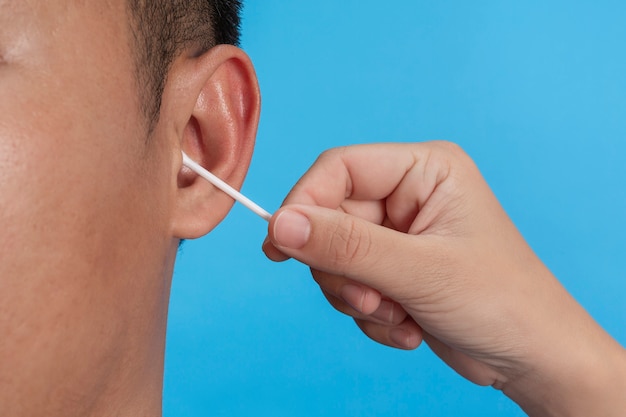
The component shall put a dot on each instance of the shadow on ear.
(221, 104)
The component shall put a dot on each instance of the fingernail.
(291, 229)
(271, 252)
(353, 296)
(401, 338)
(385, 312)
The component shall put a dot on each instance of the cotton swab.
(198, 169)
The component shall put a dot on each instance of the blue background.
(535, 91)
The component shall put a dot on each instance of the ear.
(216, 98)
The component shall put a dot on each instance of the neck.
(86, 345)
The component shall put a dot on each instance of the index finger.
(360, 172)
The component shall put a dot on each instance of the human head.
(95, 200)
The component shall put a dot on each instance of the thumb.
(345, 245)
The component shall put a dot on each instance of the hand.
(409, 240)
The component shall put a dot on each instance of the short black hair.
(162, 29)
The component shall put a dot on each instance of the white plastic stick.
(198, 169)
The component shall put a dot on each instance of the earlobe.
(223, 104)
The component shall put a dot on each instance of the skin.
(93, 209)
(410, 241)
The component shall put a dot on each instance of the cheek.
(74, 211)
(77, 194)
(74, 162)
(83, 210)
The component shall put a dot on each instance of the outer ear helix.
(202, 172)
(214, 102)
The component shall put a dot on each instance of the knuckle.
(452, 148)
(331, 154)
(457, 154)
(451, 159)
(349, 244)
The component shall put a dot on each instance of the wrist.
(582, 373)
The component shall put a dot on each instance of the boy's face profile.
(89, 200)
